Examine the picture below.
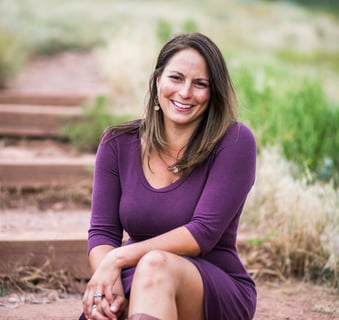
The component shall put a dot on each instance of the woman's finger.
(105, 308)
(92, 297)
(96, 314)
(119, 305)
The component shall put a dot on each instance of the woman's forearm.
(179, 241)
(97, 254)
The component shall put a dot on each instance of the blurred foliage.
(331, 6)
(12, 55)
(320, 57)
(295, 115)
(163, 30)
(97, 117)
(190, 25)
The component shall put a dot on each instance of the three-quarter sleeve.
(231, 177)
(105, 227)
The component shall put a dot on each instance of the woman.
(176, 181)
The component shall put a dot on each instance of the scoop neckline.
(144, 180)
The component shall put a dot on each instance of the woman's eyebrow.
(181, 74)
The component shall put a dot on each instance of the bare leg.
(168, 287)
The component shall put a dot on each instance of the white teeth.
(182, 106)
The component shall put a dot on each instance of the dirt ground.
(276, 300)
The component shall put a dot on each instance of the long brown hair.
(220, 114)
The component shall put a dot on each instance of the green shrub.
(12, 56)
(164, 30)
(190, 25)
(295, 115)
(85, 134)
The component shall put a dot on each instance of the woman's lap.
(224, 297)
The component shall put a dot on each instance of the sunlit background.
(283, 57)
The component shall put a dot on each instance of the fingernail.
(114, 308)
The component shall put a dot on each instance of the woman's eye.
(202, 84)
(174, 77)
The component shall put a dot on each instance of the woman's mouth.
(181, 106)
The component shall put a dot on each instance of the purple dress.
(208, 202)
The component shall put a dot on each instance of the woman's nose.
(185, 90)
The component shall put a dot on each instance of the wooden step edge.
(44, 235)
(66, 255)
(42, 99)
(30, 109)
(37, 174)
(84, 161)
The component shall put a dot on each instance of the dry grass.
(28, 277)
(296, 224)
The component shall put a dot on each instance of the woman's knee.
(153, 261)
(154, 269)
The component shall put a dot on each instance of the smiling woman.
(183, 90)
(176, 182)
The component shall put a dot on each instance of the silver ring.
(94, 306)
(98, 295)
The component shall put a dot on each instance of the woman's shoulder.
(237, 132)
(238, 135)
(122, 133)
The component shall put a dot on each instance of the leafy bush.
(190, 25)
(12, 56)
(294, 115)
(163, 30)
(85, 134)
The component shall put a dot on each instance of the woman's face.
(183, 89)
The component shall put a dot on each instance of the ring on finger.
(94, 307)
(98, 295)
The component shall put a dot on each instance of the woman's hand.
(103, 310)
(104, 297)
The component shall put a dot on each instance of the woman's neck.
(177, 141)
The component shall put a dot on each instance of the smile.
(182, 106)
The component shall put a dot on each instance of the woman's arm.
(107, 275)
(97, 254)
(179, 241)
